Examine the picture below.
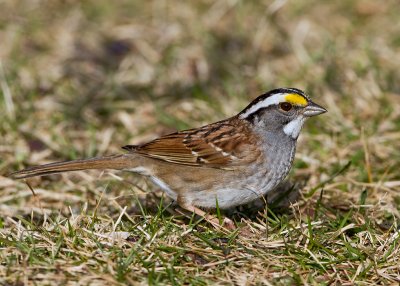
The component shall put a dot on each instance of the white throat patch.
(293, 128)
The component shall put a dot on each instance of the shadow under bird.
(229, 162)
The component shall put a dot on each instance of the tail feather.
(116, 162)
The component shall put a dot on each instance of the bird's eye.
(285, 106)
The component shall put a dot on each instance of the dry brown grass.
(83, 78)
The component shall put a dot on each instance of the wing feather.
(218, 145)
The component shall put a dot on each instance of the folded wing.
(219, 145)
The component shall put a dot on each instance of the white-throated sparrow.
(230, 162)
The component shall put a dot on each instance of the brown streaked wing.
(217, 145)
(168, 148)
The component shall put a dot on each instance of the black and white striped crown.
(273, 97)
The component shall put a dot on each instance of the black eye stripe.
(253, 116)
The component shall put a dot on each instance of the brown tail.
(116, 162)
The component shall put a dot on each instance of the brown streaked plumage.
(232, 162)
(203, 147)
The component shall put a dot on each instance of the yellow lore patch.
(296, 99)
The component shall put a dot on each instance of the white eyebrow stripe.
(273, 99)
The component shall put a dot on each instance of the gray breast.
(279, 154)
(253, 181)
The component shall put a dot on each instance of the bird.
(223, 164)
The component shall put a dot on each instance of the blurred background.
(82, 78)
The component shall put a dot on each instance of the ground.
(82, 78)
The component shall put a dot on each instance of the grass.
(80, 79)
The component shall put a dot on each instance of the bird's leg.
(214, 221)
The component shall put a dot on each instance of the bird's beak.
(313, 109)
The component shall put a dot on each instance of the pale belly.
(227, 196)
(240, 190)
(234, 195)
(245, 188)
(233, 190)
